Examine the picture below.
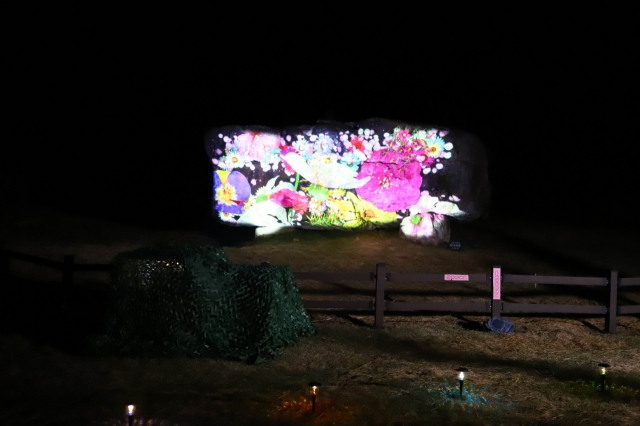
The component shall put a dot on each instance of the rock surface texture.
(366, 175)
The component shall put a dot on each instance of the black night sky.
(110, 122)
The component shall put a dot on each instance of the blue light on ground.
(473, 398)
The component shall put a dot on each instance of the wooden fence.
(494, 304)
(68, 266)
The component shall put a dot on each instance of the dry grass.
(544, 374)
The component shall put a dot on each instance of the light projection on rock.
(366, 175)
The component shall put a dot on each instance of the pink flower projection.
(256, 146)
(284, 150)
(290, 200)
(403, 135)
(395, 181)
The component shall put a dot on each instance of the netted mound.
(192, 301)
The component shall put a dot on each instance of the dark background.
(108, 121)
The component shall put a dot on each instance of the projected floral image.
(341, 179)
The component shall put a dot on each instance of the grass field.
(543, 374)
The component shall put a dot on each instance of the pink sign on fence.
(497, 280)
(456, 277)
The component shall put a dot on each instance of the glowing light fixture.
(314, 387)
(131, 410)
(461, 372)
(603, 373)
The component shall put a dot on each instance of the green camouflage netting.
(192, 301)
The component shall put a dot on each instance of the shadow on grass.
(591, 326)
(353, 320)
(468, 324)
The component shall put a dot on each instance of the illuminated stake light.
(313, 390)
(603, 373)
(461, 372)
(131, 410)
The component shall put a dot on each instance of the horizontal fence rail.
(494, 305)
(334, 276)
(68, 266)
(439, 306)
(628, 282)
(557, 280)
(347, 305)
(554, 309)
(418, 277)
(629, 309)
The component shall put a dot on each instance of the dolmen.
(371, 174)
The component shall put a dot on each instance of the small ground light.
(313, 390)
(131, 410)
(603, 373)
(461, 372)
(455, 245)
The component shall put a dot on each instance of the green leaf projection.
(364, 175)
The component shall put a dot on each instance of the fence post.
(381, 276)
(610, 320)
(67, 270)
(496, 282)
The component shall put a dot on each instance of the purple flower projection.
(231, 191)
(366, 175)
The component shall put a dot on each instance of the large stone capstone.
(365, 175)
